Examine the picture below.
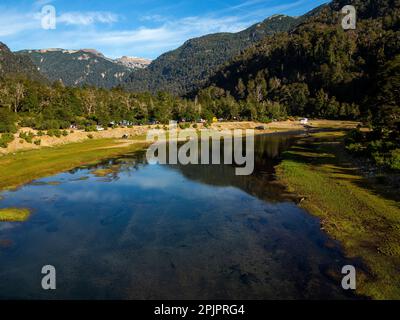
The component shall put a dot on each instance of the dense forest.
(315, 70)
(321, 70)
(11, 63)
(77, 67)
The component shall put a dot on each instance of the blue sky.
(144, 28)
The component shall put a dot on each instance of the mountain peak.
(133, 62)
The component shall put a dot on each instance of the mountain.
(82, 67)
(12, 64)
(181, 70)
(133, 62)
(316, 69)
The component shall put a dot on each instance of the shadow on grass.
(328, 153)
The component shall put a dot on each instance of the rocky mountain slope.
(82, 67)
(12, 64)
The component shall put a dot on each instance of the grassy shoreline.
(23, 167)
(26, 165)
(363, 219)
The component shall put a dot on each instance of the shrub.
(5, 139)
(379, 158)
(395, 159)
(37, 142)
(354, 135)
(90, 136)
(51, 124)
(54, 133)
(27, 136)
(265, 120)
(7, 121)
(185, 125)
(90, 128)
(65, 133)
(28, 122)
(355, 148)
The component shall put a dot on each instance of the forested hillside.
(318, 69)
(321, 70)
(183, 69)
(17, 65)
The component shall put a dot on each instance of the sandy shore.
(79, 135)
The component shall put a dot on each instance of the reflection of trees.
(261, 184)
(268, 150)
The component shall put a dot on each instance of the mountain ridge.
(12, 64)
(80, 67)
(181, 70)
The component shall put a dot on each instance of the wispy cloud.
(154, 18)
(14, 22)
(167, 36)
(157, 28)
(87, 18)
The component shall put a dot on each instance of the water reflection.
(167, 232)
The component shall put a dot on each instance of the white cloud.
(142, 41)
(151, 34)
(87, 18)
(12, 22)
(153, 18)
(15, 22)
(171, 32)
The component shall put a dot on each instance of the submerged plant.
(14, 214)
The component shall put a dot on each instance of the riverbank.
(74, 136)
(363, 214)
(24, 166)
(23, 162)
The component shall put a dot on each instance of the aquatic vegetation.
(43, 183)
(14, 214)
(106, 171)
(84, 178)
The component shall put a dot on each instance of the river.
(168, 232)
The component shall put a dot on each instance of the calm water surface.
(167, 232)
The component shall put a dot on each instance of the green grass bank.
(359, 212)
